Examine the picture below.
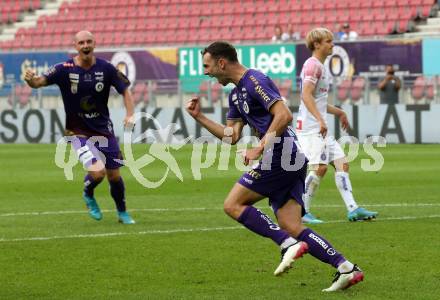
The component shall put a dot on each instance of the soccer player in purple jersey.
(85, 82)
(256, 101)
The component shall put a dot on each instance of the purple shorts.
(277, 184)
(92, 149)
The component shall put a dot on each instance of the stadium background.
(183, 247)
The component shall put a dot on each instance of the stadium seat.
(244, 18)
(344, 89)
(430, 88)
(418, 88)
(357, 89)
(140, 92)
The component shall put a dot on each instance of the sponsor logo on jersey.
(262, 93)
(99, 76)
(87, 77)
(248, 180)
(99, 86)
(254, 174)
(254, 80)
(245, 107)
(74, 80)
(86, 103)
(234, 99)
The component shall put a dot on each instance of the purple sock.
(256, 221)
(117, 190)
(320, 248)
(90, 184)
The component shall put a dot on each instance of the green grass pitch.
(184, 247)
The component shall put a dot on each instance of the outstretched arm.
(34, 81)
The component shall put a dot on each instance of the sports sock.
(117, 190)
(90, 184)
(320, 248)
(258, 222)
(343, 184)
(345, 267)
(312, 184)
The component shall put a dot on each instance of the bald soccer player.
(85, 82)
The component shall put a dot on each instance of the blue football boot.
(93, 207)
(125, 218)
(361, 213)
(308, 218)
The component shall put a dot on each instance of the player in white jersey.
(312, 127)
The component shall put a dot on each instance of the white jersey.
(315, 72)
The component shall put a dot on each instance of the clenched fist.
(193, 107)
(29, 75)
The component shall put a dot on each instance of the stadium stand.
(168, 22)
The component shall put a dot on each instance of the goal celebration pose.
(256, 101)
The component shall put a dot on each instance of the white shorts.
(319, 150)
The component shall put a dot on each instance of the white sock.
(288, 242)
(344, 186)
(345, 267)
(312, 184)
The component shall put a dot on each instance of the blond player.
(311, 128)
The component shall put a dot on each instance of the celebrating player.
(256, 101)
(311, 127)
(85, 82)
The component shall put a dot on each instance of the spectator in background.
(389, 87)
(290, 35)
(348, 35)
(277, 38)
(339, 33)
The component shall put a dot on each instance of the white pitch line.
(170, 231)
(65, 212)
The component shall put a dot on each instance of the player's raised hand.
(193, 107)
(29, 75)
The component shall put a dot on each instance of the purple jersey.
(85, 95)
(250, 102)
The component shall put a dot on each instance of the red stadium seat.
(418, 88)
(244, 19)
(357, 89)
(344, 89)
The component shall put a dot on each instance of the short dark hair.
(221, 49)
